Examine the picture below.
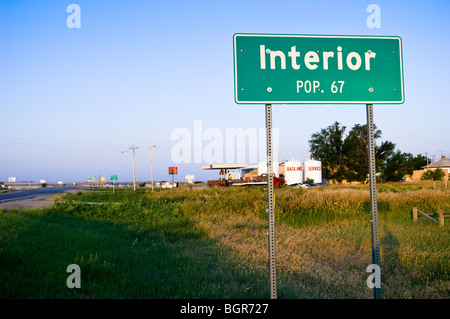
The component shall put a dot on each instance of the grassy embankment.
(212, 243)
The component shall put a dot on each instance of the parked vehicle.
(297, 185)
(314, 184)
(169, 185)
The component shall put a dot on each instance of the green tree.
(400, 164)
(357, 152)
(417, 163)
(328, 147)
(396, 167)
(347, 158)
(435, 175)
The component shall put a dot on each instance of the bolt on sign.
(113, 177)
(173, 170)
(317, 69)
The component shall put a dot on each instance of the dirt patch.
(42, 201)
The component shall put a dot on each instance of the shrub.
(435, 175)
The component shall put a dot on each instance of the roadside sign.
(190, 179)
(317, 69)
(91, 178)
(173, 170)
(114, 178)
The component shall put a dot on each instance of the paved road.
(30, 193)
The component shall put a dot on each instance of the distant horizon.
(207, 175)
(213, 175)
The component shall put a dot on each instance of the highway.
(30, 193)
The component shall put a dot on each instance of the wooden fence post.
(414, 214)
(441, 217)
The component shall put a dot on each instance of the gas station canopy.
(224, 166)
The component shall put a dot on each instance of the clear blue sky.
(71, 100)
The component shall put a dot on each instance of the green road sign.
(317, 69)
(113, 177)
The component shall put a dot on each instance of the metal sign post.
(271, 205)
(373, 198)
(90, 179)
(113, 178)
(173, 171)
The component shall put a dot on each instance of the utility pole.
(134, 171)
(151, 164)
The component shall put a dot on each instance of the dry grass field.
(212, 243)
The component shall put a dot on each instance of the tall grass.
(212, 243)
(138, 250)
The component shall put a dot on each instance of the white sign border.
(315, 36)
